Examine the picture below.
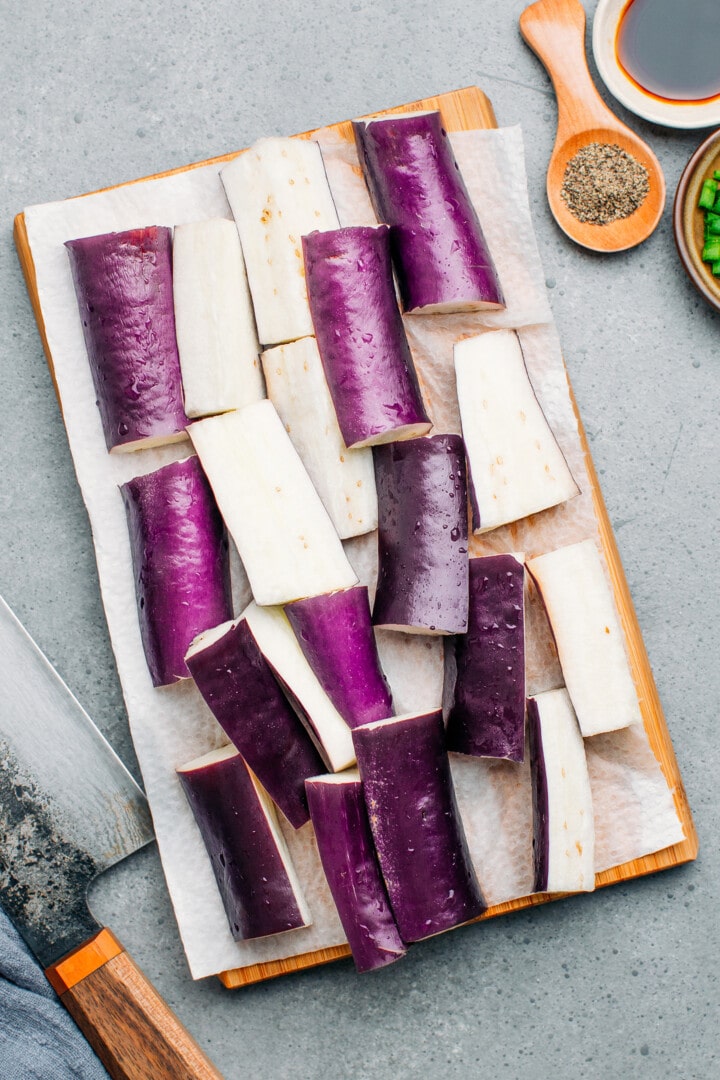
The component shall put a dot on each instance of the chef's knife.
(68, 810)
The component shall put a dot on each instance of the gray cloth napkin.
(38, 1039)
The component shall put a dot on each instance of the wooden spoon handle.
(555, 31)
(122, 1016)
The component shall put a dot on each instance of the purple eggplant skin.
(475, 520)
(416, 825)
(348, 857)
(256, 891)
(336, 636)
(541, 815)
(438, 248)
(123, 284)
(487, 715)
(243, 695)
(360, 333)
(422, 535)
(181, 563)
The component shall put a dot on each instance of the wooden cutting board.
(464, 110)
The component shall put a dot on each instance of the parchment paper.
(634, 810)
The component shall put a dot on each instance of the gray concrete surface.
(614, 985)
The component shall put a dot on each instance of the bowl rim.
(675, 114)
(686, 246)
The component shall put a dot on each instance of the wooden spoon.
(555, 31)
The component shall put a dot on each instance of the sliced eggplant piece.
(336, 636)
(487, 715)
(440, 254)
(416, 825)
(277, 642)
(344, 479)
(258, 884)
(515, 466)
(361, 337)
(564, 831)
(347, 853)
(214, 320)
(243, 695)
(278, 192)
(282, 531)
(589, 636)
(180, 562)
(123, 284)
(422, 536)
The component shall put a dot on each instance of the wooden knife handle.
(123, 1017)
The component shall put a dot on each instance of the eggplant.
(243, 695)
(347, 853)
(281, 529)
(344, 479)
(180, 561)
(440, 254)
(361, 337)
(278, 191)
(563, 822)
(487, 714)
(258, 885)
(422, 536)
(589, 636)
(214, 320)
(277, 642)
(124, 290)
(336, 636)
(418, 833)
(515, 466)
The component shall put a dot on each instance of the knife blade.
(69, 809)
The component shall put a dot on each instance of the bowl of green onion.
(696, 219)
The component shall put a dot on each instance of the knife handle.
(129, 1026)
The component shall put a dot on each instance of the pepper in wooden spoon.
(605, 186)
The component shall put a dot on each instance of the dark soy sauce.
(671, 48)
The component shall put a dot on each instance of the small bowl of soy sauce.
(696, 219)
(661, 58)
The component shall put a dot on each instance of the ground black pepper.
(603, 183)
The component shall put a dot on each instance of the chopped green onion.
(711, 250)
(708, 194)
(709, 204)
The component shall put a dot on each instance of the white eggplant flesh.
(564, 830)
(214, 320)
(588, 635)
(276, 640)
(344, 479)
(282, 531)
(278, 192)
(515, 465)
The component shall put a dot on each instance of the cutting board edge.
(678, 854)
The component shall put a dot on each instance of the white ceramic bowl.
(677, 114)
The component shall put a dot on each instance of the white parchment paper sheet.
(634, 808)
